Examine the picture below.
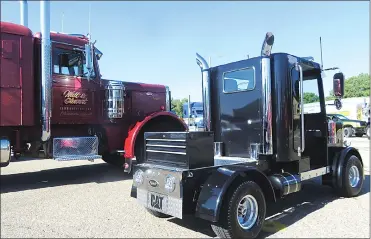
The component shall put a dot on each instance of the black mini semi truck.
(258, 146)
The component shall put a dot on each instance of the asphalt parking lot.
(45, 198)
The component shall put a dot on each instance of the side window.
(239, 80)
(69, 62)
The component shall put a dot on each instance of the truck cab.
(54, 99)
(258, 146)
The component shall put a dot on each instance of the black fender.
(339, 161)
(217, 184)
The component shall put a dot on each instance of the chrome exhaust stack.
(46, 80)
(267, 92)
(205, 91)
(24, 13)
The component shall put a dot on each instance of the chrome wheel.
(354, 176)
(247, 212)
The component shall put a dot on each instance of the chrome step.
(76, 148)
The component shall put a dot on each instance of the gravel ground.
(45, 198)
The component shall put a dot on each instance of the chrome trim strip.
(267, 106)
(167, 146)
(314, 173)
(166, 152)
(301, 108)
(174, 140)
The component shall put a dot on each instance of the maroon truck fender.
(151, 121)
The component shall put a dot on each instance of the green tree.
(177, 105)
(357, 86)
(310, 97)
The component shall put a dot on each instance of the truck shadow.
(286, 212)
(297, 206)
(96, 173)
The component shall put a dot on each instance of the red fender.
(133, 133)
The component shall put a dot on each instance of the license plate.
(157, 202)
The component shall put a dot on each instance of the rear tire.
(348, 132)
(231, 224)
(157, 214)
(352, 177)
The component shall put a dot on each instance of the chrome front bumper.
(159, 189)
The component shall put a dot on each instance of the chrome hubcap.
(353, 176)
(247, 212)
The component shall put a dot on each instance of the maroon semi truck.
(53, 99)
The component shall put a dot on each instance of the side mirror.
(338, 85)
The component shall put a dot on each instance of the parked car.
(368, 128)
(350, 127)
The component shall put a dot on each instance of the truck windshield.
(69, 62)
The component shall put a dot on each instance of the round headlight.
(138, 177)
(170, 183)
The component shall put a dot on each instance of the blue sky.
(156, 42)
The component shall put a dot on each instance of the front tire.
(243, 212)
(352, 177)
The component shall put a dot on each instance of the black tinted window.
(239, 80)
(69, 62)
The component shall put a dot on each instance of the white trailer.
(353, 108)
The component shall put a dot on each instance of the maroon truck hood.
(135, 86)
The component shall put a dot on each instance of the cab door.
(74, 96)
(309, 124)
(239, 107)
